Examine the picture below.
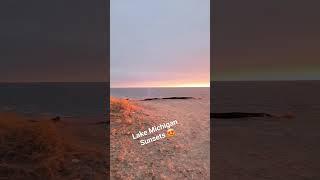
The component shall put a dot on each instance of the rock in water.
(56, 119)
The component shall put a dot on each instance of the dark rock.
(178, 98)
(150, 99)
(232, 115)
(56, 119)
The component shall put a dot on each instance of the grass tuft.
(123, 108)
(44, 149)
(29, 150)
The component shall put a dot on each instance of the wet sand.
(184, 156)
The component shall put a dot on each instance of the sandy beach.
(267, 147)
(39, 148)
(184, 156)
(264, 148)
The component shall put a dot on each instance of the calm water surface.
(67, 99)
(140, 93)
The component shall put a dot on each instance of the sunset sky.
(53, 41)
(266, 40)
(160, 43)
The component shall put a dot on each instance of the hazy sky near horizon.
(266, 40)
(160, 43)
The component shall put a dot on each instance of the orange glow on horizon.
(187, 85)
(150, 85)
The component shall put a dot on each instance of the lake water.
(89, 99)
(65, 99)
(141, 93)
(299, 97)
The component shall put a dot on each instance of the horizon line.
(26, 82)
(266, 80)
(186, 86)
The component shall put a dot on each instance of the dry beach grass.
(43, 149)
